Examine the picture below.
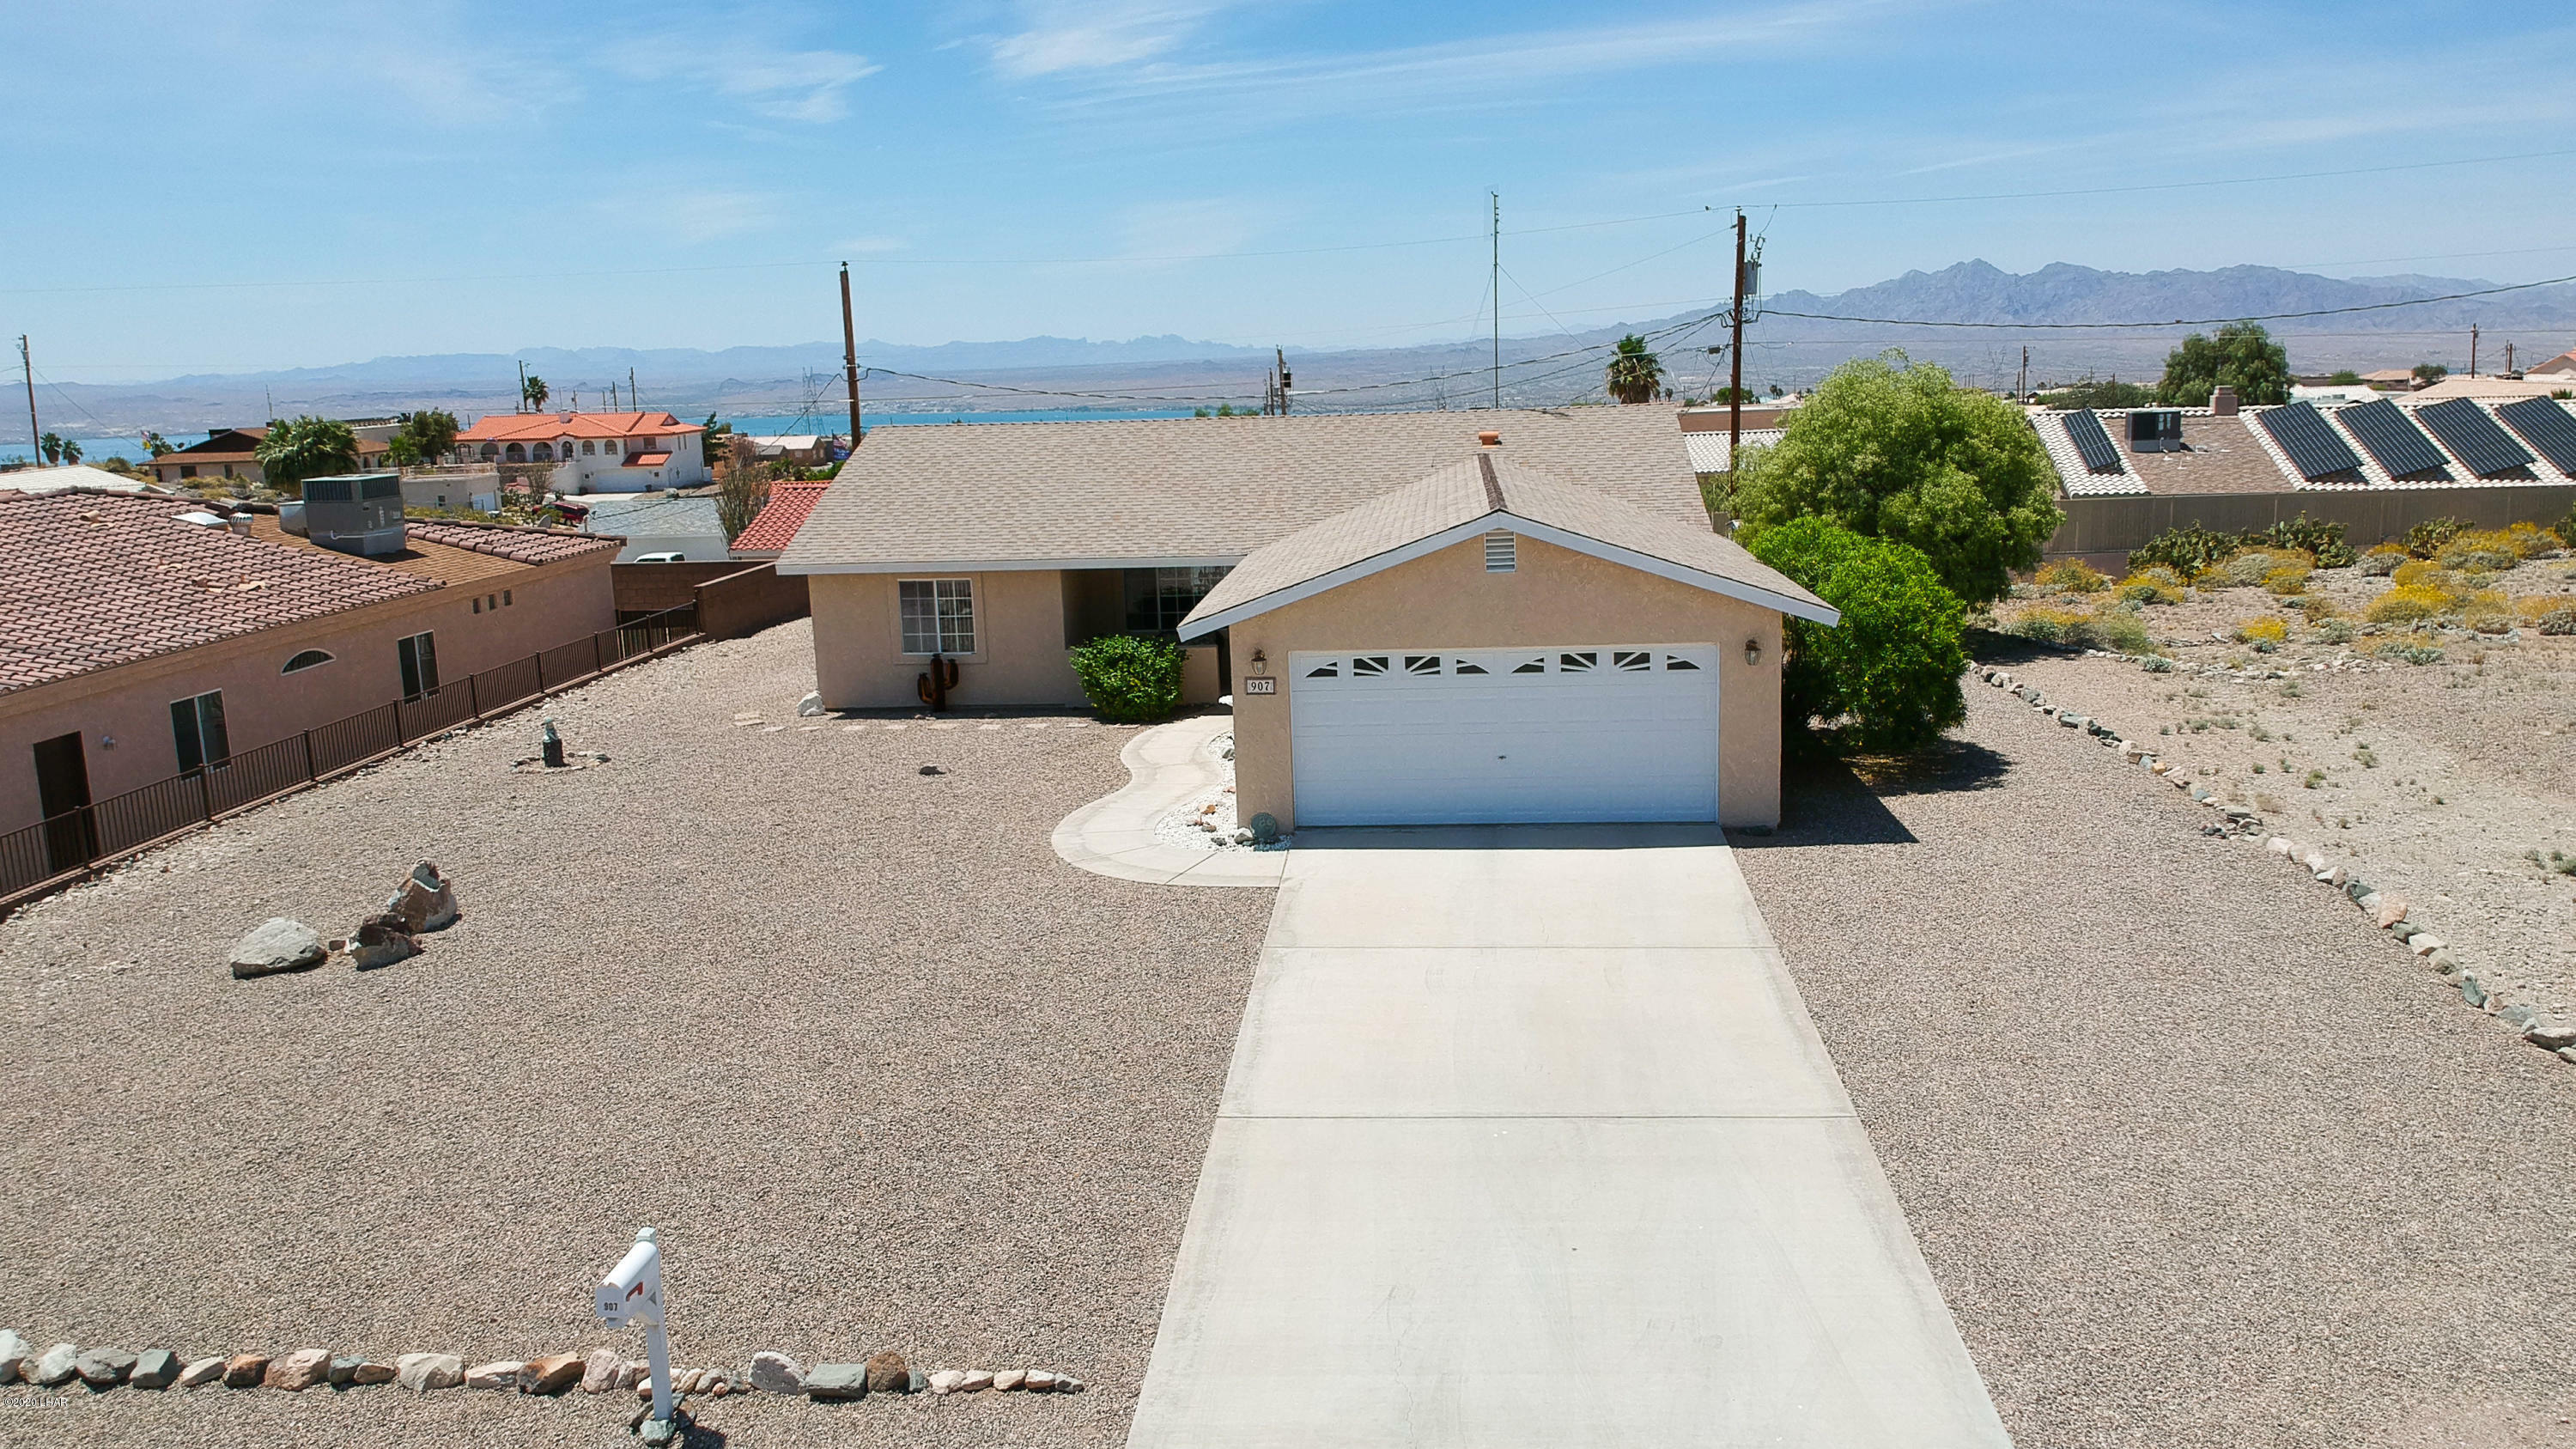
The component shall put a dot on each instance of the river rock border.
(2386, 909)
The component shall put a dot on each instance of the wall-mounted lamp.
(1753, 651)
(1260, 662)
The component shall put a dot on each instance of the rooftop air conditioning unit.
(2155, 430)
(360, 513)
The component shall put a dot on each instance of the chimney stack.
(2222, 402)
(1489, 438)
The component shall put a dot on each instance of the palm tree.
(308, 447)
(71, 451)
(1634, 375)
(51, 445)
(534, 393)
(156, 445)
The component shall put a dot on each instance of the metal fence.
(57, 851)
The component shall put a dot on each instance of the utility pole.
(33, 452)
(2021, 387)
(523, 389)
(1735, 360)
(1497, 198)
(850, 356)
(631, 404)
(2473, 349)
(2508, 359)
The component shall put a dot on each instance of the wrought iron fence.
(57, 851)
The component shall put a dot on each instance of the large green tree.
(423, 437)
(1886, 679)
(1893, 449)
(2242, 356)
(1634, 374)
(307, 447)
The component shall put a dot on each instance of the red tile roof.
(535, 427)
(647, 460)
(89, 581)
(789, 506)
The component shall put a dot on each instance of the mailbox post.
(632, 1293)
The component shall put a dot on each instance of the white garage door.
(1582, 732)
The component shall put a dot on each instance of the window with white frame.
(197, 728)
(938, 615)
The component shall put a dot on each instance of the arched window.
(517, 453)
(545, 452)
(490, 452)
(588, 447)
(309, 659)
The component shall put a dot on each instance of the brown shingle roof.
(89, 581)
(1174, 490)
(1479, 492)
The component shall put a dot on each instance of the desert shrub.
(2530, 539)
(2154, 584)
(1887, 678)
(2335, 631)
(2254, 566)
(2560, 620)
(2266, 630)
(2111, 627)
(2408, 604)
(2488, 612)
(2483, 550)
(2317, 607)
(2417, 574)
(2323, 542)
(2118, 628)
(2048, 624)
(2383, 559)
(2072, 576)
(1129, 679)
(2565, 528)
(2186, 550)
(2156, 664)
(2286, 581)
(2426, 539)
(2411, 649)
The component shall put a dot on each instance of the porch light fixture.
(1753, 651)
(1260, 662)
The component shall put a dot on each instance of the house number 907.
(1261, 686)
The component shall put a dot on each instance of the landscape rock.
(201, 1373)
(2472, 990)
(277, 944)
(635, 1372)
(154, 1368)
(811, 706)
(245, 1370)
(599, 1371)
(299, 1370)
(103, 1368)
(945, 1381)
(776, 1373)
(1010, 1379)
(888, 1373)
(54, 1365)
(13, 1355)
(499, 1374)
(1067, 1384)
(343, 1370)
(974, 1382)
(372, 1372)
(551, 1374)
(2550, 1037)
(2423, 945)
(426, 901)
(2280, 845)
(837, 1381)
(1039, 1381)
(2520, 1018)
(2567, 1053)
(422, 1372)
(382, 940)
(915, 1381)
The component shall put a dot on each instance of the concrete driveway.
(1528, 1140)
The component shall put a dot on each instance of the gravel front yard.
(882, 1069)
(2197, 1156)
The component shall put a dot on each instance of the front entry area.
(1505, 736)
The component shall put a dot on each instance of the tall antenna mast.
(33, 452)
(1497, 198)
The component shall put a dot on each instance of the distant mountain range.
(1165, 371)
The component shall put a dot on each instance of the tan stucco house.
(1419, 617)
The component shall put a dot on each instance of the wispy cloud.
(780, 82)
(1067, 35)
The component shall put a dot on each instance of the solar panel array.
(2399, 445)
(2545, 426)
(2090, 440)
(2313, 447)
(2473, 437)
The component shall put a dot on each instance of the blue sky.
(255, 185)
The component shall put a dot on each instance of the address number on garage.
(1261, 686)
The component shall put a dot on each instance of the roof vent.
(203, 519)
(2222, 401)
(1490, 438)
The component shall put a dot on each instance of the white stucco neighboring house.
(593, 452)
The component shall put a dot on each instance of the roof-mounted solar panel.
(2155, 430)
(2313, 447)
(2473, 437)
(2084, 429)
(2546, 427)
(2399, 445)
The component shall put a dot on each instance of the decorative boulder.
(299, 1370)
(202, 1372)
(552, 1374)
(837, 1381)
(154, 1368)
(372, 1372)
(426, 901)
(103, 1368)
(776, 1373)
(278, 944)
(811, 706)
(498, 1374)
(55, 1366)
(245, 1370)
(13, 1355)
(889, 1374)
(599, 1371)
(422, 1372)
(382, 940)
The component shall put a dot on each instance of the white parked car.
(661, 558)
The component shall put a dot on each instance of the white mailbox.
(632, 1293)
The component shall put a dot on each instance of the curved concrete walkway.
(1114, 835)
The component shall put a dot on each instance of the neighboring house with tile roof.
(2562, 366)
(2244, 451)
(592, 452)
(141, 636)
(1640, 688)
(234, 453)
(775, 526)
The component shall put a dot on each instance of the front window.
(197, 728)
(588, 447)
(1159, 599)
(938, 615)
(609, 447)
(419, 657)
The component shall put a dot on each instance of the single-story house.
(233, 453)
(775, 526)
(1419, 617)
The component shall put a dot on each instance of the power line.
(2177, 322)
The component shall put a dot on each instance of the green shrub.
(2565, 528)
(2322, 541)
(1130, 680)
(1886, 679)
(2115, 627)
(2186, 550)
(2383, 559)
(2335, 631)
(2426, 539)
(2071, 575)
(2154, 584)
(2482, 550)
